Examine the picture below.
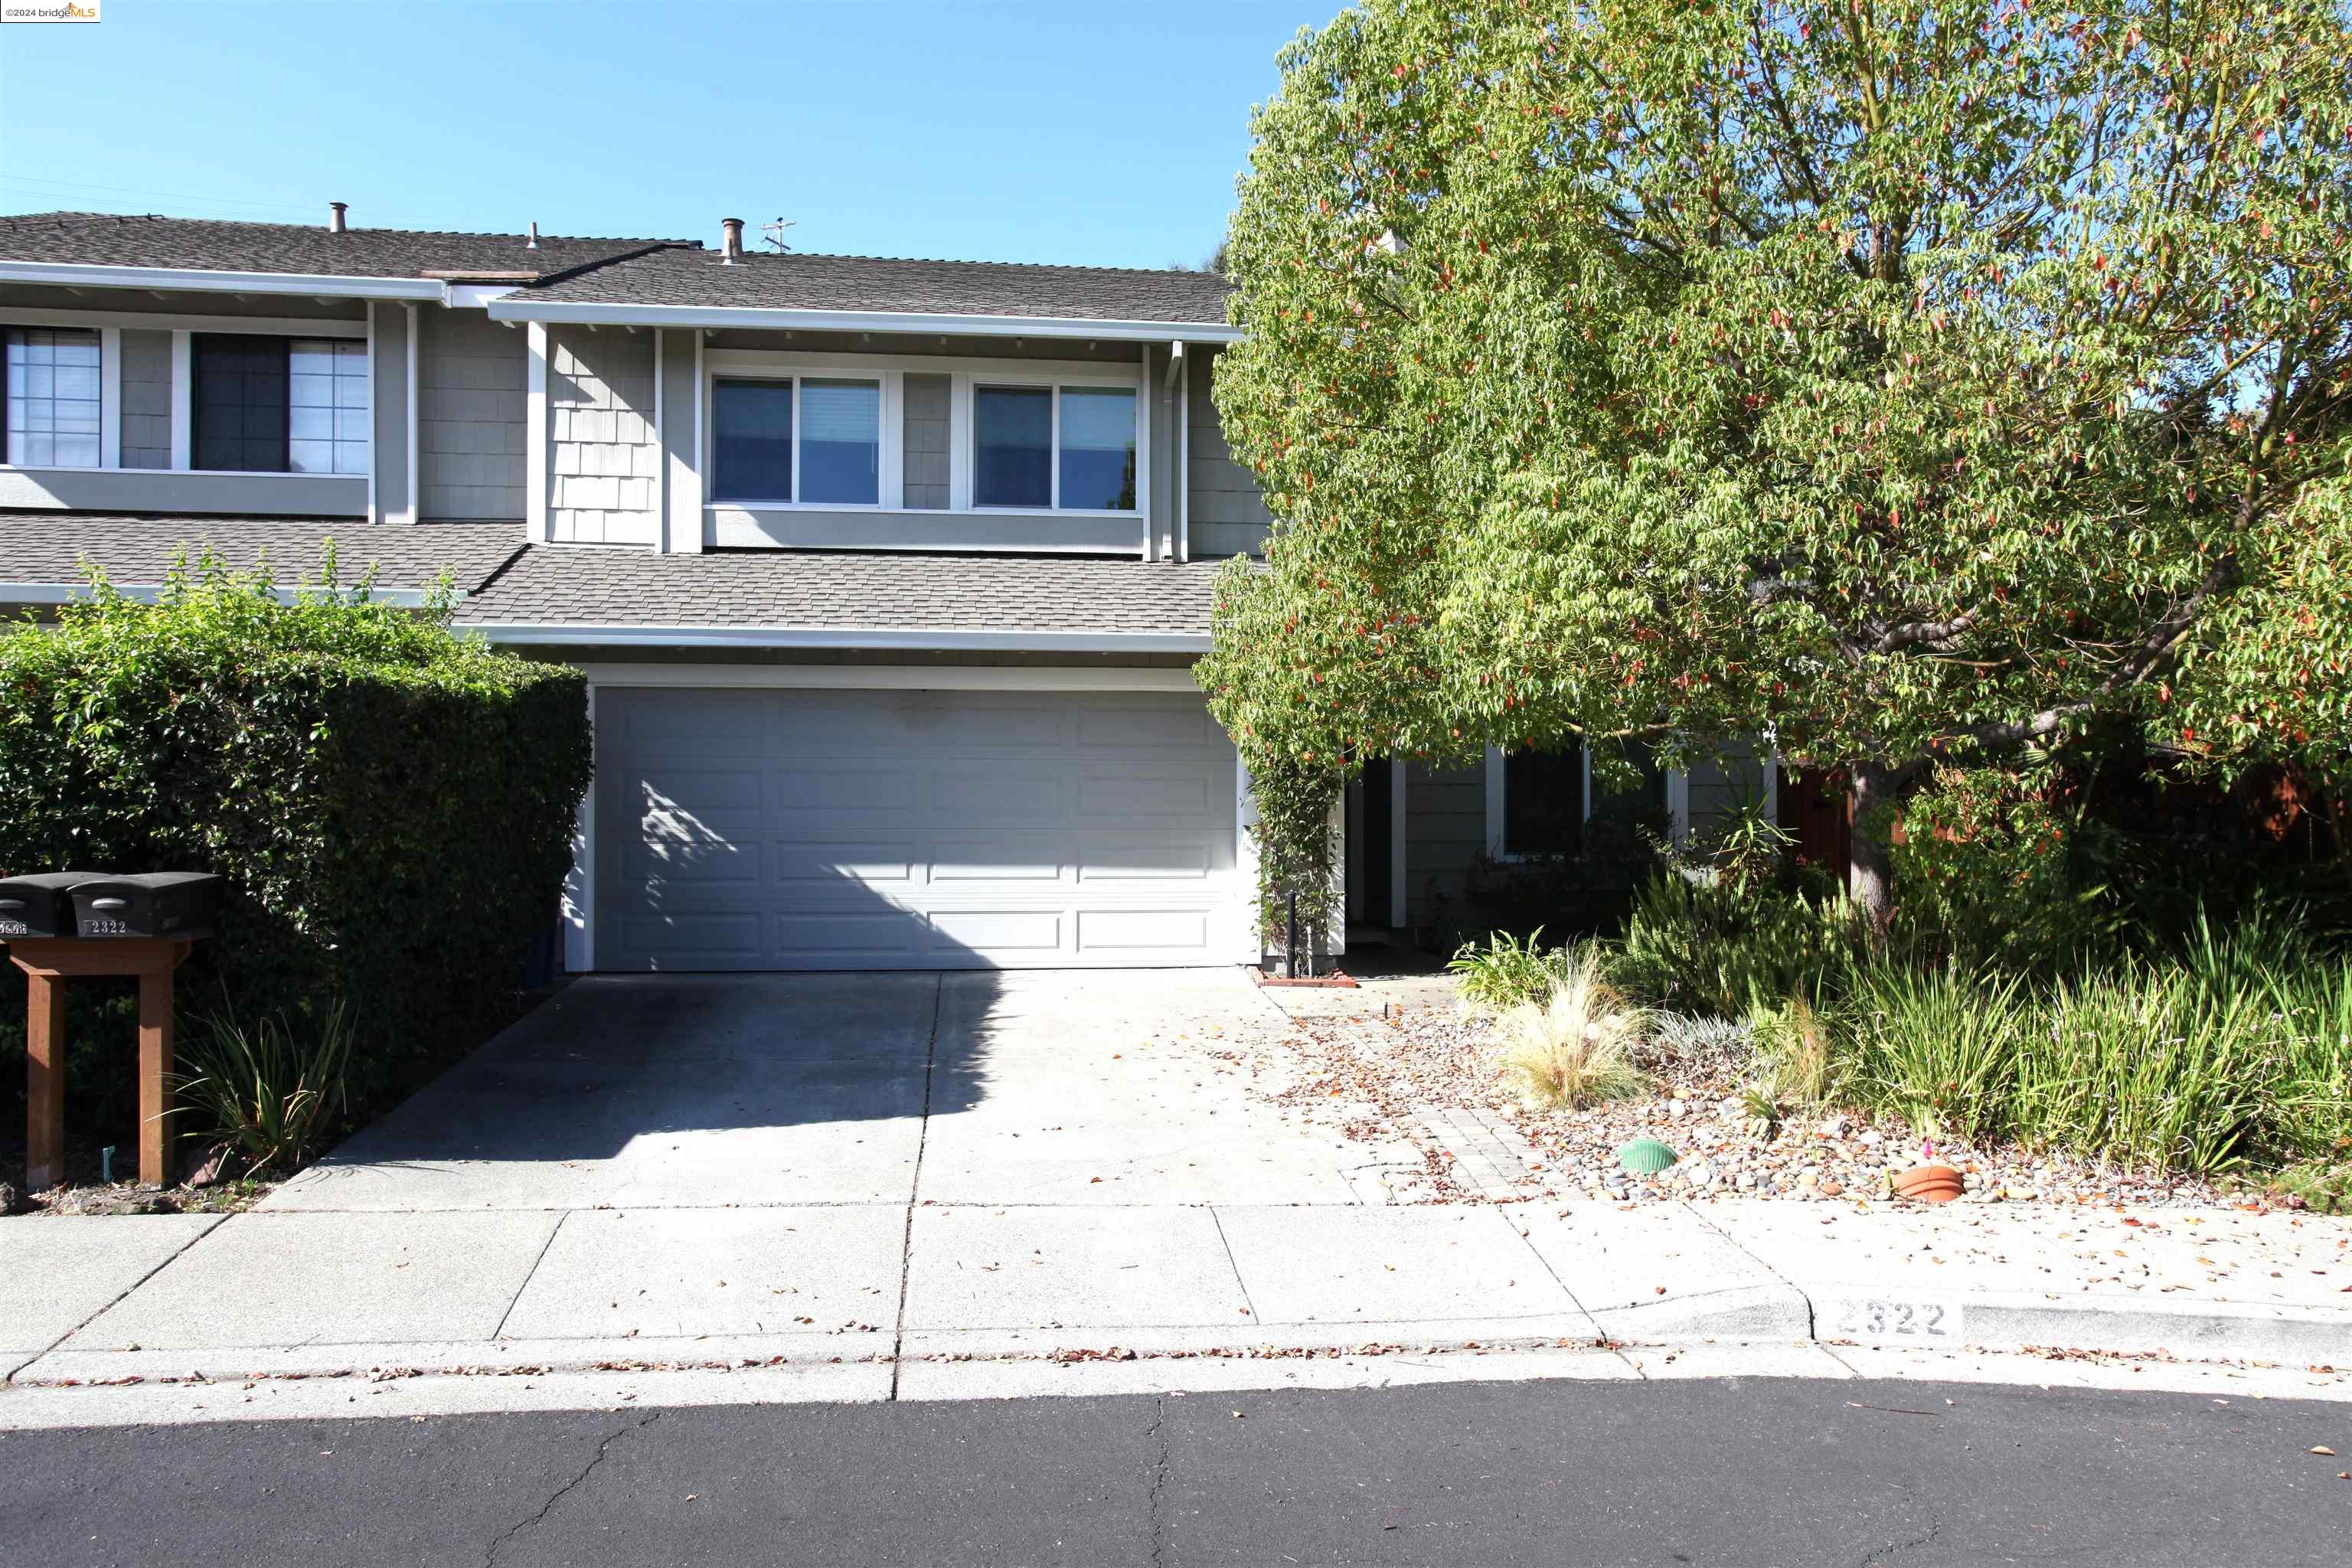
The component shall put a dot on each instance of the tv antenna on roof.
(776, 232)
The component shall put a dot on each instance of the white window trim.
(109, 326)
(964, 374)
(890, 449)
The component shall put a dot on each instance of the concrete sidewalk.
(97, 1301)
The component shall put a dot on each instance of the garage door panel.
(755, 828)
(1129, 930)
(996, 932)
(1143, 858)
(1015, 794)
(862, 863)
(839, 791)
(995, 857)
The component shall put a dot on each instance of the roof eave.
(150, 592)
(213, 280)
(973, 640)
(566, 312)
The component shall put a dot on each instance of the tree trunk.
(1870, 880)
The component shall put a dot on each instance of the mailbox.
(40, 905)
(177, 904)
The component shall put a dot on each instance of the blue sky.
(1107, 133)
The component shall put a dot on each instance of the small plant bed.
(86, 1190)
(1425, 1059)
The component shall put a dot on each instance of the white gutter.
(73, 275)
(150, 592)
(641, 636)
(720, 317)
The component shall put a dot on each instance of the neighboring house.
(887, 575)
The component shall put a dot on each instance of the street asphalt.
(1747, 1472)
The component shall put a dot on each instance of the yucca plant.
(1576, 1047)
(271, 1092)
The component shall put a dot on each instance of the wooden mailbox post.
(48, 961)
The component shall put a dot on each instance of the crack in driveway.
(491, 1553)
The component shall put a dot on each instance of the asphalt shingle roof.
(511, 583)
(107, 239)
(871, 590)
(49, 547)
(766, 282)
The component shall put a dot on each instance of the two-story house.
(887, 575)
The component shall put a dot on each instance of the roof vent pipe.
(532, 243)
(335, 216)
(731, 249)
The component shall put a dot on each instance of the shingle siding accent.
(926, 447)
(146, 399)
(1228, 514)
(604, 458)
(470, 417)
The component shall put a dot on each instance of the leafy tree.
(1918, 384)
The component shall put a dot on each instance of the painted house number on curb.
(1898, 1318)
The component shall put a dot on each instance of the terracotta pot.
(1928, 1183)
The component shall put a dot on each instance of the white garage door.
(874, 829)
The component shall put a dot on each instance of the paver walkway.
(892, 1170)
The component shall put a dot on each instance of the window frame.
(108, 400)
(964, 373)
(888, 454)
(1498, 800)
(1056, 384)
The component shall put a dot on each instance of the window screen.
(240, 403)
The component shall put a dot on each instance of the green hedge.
(391, 805)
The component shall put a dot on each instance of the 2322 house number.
(1876, 1318)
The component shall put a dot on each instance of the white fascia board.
(474, 296)
(721, 317)
(149, 593)
(75, 275)
(879, 637)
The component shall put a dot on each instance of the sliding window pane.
(1097, 448)
(753, 444)
(327, 419)
(53, 398)
(1012, 438)
(840, 442)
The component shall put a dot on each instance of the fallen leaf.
(2322, 1449)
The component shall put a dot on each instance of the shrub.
(1714, 947)
(391, 805)
(1574, 1047)
(272, 1092)
(1509, 973)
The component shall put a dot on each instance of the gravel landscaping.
(1412, 1063)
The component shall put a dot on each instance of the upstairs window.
(53, 397)
(1068, 449)
(280, 405)
(812, 439)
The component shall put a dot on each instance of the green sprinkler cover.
(1645, 1156)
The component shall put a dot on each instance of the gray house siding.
(925, 480)
(389, 393)
(471, 415)
(1445, 830)
(604, 473)
(1721, 786)
(1227, 515)
(146, 399)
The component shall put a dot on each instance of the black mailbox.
(40, 905)
(160, 903)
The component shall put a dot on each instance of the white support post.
(184, 396)
(1246, 861)
(539, 523)
(411, 504)
(110, 397)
